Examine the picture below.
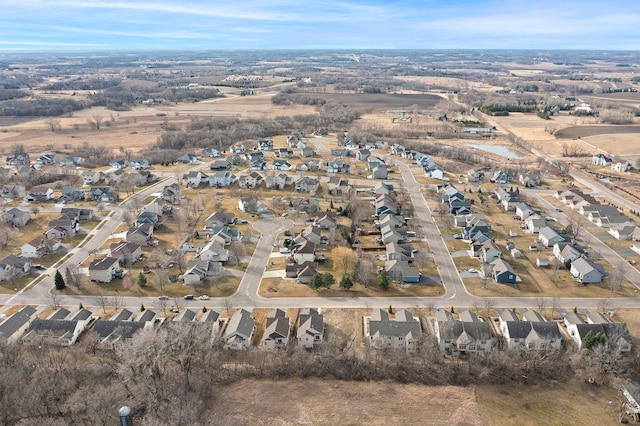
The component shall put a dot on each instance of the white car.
(204, 297)
(473, 271)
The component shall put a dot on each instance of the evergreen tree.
(59, 281)
(142, 308)
(204, 309)
(383, 280)
(141, 280)
(346, 283)
(328, 279)
(316, 282)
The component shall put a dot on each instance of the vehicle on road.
(204, 297)
(188, 297)
(163, 297)
(457, 236)
(473, 271)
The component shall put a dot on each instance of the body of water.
(500, 150)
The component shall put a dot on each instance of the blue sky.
(330, 24)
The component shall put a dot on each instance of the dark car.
(188, 297)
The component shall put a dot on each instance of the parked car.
(473, 271)
(457, 236)
(188, 297)
(163, 297)
(204, 297)
(533, 248)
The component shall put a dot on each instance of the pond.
(500, 150)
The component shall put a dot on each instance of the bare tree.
(489, 304)
(236, 248)
(103, 302)
(161, 277)
(52, 300)
(95, 121)
(162, 305)
(117, 301)
(603, 304)
(367, 274)
(53, 123)
(617, 276)
(541, 303)
(227, 305)
(72, 277)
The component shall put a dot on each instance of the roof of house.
(507, 315)
(126, 329)
(240, 323)
(310, 322)
(532, 316)
(403, 325)
(16, 321)
(103, 264)
(82, 314)
(523, 329)
(60, 314)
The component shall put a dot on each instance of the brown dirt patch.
(574, 132)
(347, 403)
(382, 101)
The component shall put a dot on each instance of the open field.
(574, 132)
(381, 101)
(376, 403)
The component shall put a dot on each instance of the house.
(363, 154)
(379, 172)
(529, 335)
(91, 177)
(302, 271)
(250, 181)
(110, 333)
(16, 217)
(310, 233)
(219, 219)
(19, 159)
(616, 334)
(172, 194)
(584, 272)
(500, 271)
(338, 166)
(13, 327)
(566, 252)
(213, 251)
(625, 231)
(238, 149)
(265, 145)
(278, 181)
(72, 161)
(395, 268)
(188, 158)
(71, 193)
(39, 247)
(523, 211)
(198, 270)
(489, 252)
(39, 195)
(276, 333)
(239, 330)
(48, 159)
(305, 251)
(621, 166)
(462, 337)
(58, 332)
(530, 179)
(601, 160)
(12, 266)
(310, 329)
(251, 205)
(534, 223)
(147, 217)
(383, 188)
(310, 166)
(281, 165)
(193, 179)
(70, 225)
(210, 152)
(395, 251)
(139, 163)
(56, 233)
(141, 234)
(117, 164)
(307, 184)
(306, 152)
(220, 165)
(542, 261)
(221, 179)
(114, 177)
(13, 192)
(126, 252)
(103, 194)
(105, 270)
(501, 177)
(434, 172)
(326, 221)
(549, 237)
(341, 152)
(475, 176)
(403, 332)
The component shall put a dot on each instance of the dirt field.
(329, 402)
(574, 132)
(382, 101)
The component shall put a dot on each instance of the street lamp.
(125, 412)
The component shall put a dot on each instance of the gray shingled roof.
(401, 326)
(15, 321)
(60, 314)
(241, 323)
(126, 329)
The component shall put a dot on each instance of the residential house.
(210, 152)
(501, 177)
(193, 179)
(621, 166)
(39, 247)
(338, 166)
(72, 161)
(523, 211)
(307, 184)
(306, 152)
(220, 165)
(310, 233)
(219, 219)
(142, 234)
(395, 251)
(114, 177)
(70, 225)
(363, 154)
(281, 165)
(221, 179)
(58, 332)
(188, 158)
(198, 270)
(239, 330)
(16, 217)
(139, 163)
(528, 335)
(71, 194)
(19, 159)
(403, 332)
(172, 194)
(305, 251)
(213, 251)
(341, 152)
(489, 252)
(584, 272)
(13, 192)
(501, 271)
(379, 172)
(625, 231)
(105, 270)
(462, 337)
(251, 205)
(91, 177)
(549, 237)
(278, 181)
(616, 334)
(79, 214)
(147, 217)
(56, 233)
(566, 252)
(534, 223)
(475, 176)
(530, 179)
(13, 327)
(601, 160)
(12, 266)
(117, 164)
(250, 181)
(276, 333)
(326, 220)
(48, 159)
(39, 195)
(103, 194)
(265, 145)
(127, 253)
(310, 329)
(112, 332)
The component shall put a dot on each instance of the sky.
(87, 25)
